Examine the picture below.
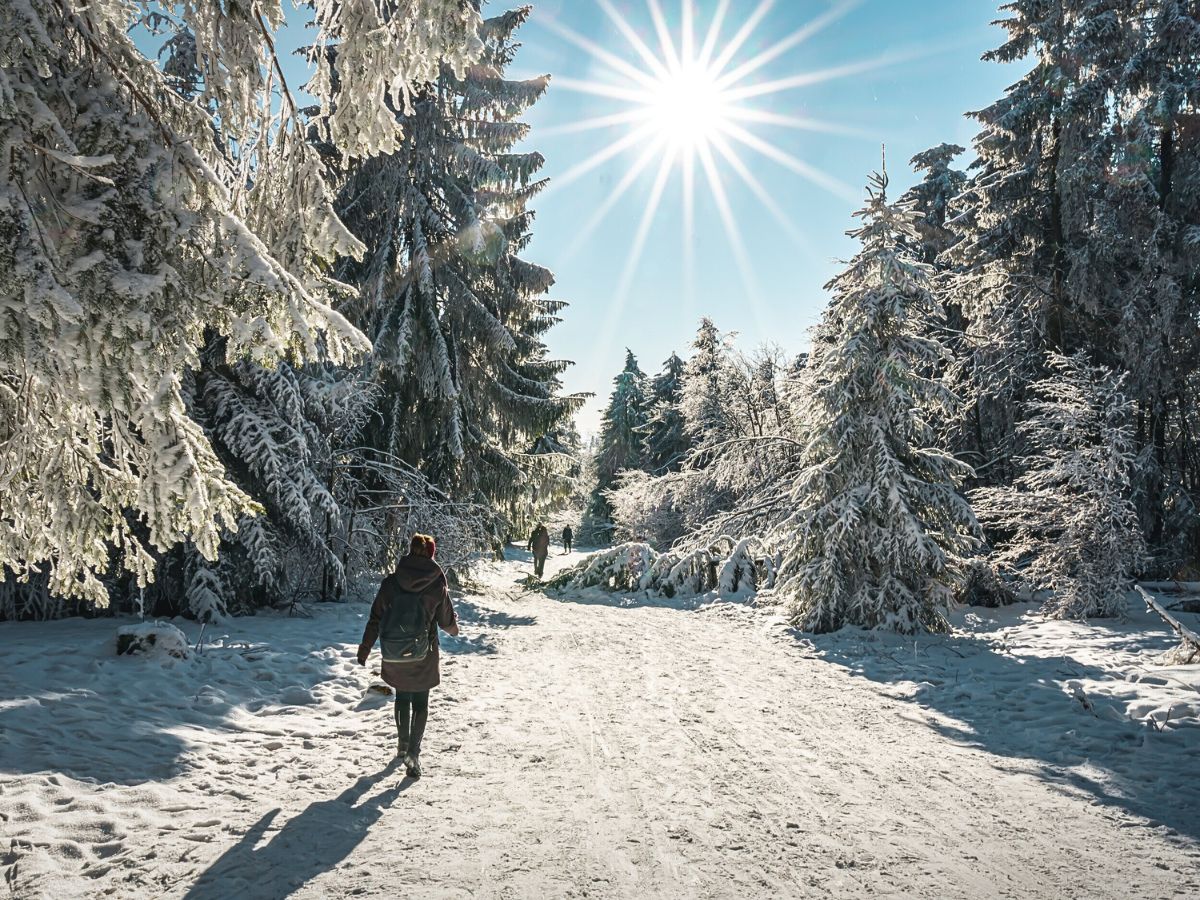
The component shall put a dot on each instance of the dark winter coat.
(539, 542)
(416, 575)
(567, 535)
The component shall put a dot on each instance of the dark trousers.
(539, 564)
(567, 544)
(412, 712)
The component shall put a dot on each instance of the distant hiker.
(539, 543)
(412, 602)
(568, 534)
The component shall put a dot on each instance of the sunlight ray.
(613, 198)
(621, 118)
(620, 298)
(835, 186)
(800, 123)
(687, 28)
(819, 76)
(597, 159)
(670, 51)
(624, 67)
(764, 197)
(743, 33)
(635, 40)
(714, 31)
(740, 255)
(689, 230)
(643, 230)
(793, 40)
(600, 89)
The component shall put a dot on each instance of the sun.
(687, 108)
(685, 102)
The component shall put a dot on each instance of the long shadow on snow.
(309, 844)
(1017, 707)
(89, 714)
(94, 716)
(473, 614)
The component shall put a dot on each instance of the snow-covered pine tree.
(1143, 266)
(555, 474)
(1070, 525)
(132, 219)
(1012, 257)
(1078, 233)
(665, 439)
(931, 196)
(621, 446)
(716, 481)
(284, 435)
(873, 525)
(457, 317)
(704, 389)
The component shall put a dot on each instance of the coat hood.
(417, 574)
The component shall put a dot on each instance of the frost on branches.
(874, 523)
(133, 216)
(1074, 529)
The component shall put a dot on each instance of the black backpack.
(404, 634)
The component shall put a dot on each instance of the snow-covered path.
(575, 749)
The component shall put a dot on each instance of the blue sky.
(915, 70)
(911, 104)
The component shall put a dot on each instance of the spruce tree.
(1076, 234)
(621, 446)
(1144, 265)
(1070, 525)
(665, 438)
(705, 386)
(456, 315)
(132, 219)
(930, 197)
(1013, 253)
(873, 524)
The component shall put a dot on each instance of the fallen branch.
(1189, 638)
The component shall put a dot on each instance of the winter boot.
(402, 740)
(412, 765)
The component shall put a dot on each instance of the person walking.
(539, 543)
(568, 534)
(412, 603)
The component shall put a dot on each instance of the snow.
(155, 639)
(604, 746)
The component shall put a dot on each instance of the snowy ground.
(584, 748)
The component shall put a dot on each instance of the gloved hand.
(363, 653)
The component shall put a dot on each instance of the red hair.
(422, 545)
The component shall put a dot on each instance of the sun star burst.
(687, 105)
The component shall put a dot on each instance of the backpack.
(404, 633)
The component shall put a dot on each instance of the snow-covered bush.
(742, 571)
(682, 573)
(1068, 521)
(619, 568)
(205, 593)
(152, 639)
(644, 507)
(726, 566)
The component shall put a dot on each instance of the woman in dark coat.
(418, 574)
